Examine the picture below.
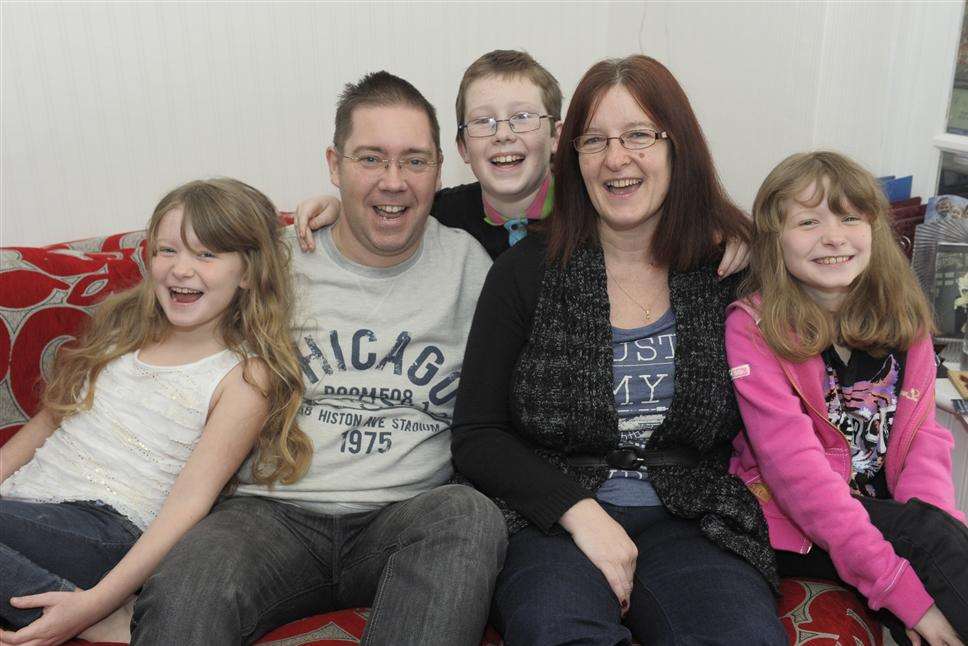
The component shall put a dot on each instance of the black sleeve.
(462, 207)
(486, 447)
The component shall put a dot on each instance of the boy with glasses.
(508, 116)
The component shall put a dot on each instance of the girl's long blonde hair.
(226, 216)
(885, 307)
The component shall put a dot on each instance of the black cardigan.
(536, 385)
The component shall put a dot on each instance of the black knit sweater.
(536, 385)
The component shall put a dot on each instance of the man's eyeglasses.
(487, 126)
(638, 139)
(415, 164)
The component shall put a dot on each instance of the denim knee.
(190, 579)
(468, 516)
(550, 593)
(202, 591)
(543, 604)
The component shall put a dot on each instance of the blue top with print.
(643, 369)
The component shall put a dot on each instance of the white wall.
(104, 107)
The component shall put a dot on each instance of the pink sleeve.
(926, 472)
(794, 466)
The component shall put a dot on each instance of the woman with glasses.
(595, 404)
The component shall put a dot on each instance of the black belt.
(632, 458)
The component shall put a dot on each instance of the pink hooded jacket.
(798, 464)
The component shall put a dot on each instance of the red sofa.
(46, 293)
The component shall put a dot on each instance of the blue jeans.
(686, 590)
(48, 547)
(426, 565)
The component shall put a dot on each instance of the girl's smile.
(193, 284)
(824, 250)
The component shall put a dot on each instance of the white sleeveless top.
(127, 450)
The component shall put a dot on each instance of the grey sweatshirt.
(381, 350)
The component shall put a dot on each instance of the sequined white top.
(127, 450)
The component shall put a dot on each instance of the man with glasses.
(385, 304)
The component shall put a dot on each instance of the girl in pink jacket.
(834, 372)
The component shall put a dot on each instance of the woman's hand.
(312, 214)
(606, 545)
(65, 615)
(933, 629)
(736, 257)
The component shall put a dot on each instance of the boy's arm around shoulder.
(20, 448)
(236, 417)
(793, 464)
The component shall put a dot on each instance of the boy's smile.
(509, 165)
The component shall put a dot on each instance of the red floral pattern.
(822, 613)
(46, 295)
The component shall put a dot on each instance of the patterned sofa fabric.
(46, 295)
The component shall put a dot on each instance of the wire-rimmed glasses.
(416, 164)
(518, 123)
(591, 143)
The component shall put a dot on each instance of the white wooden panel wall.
(105, 106)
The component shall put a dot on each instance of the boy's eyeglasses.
(632, 140)
(518, 123)
(416, 164)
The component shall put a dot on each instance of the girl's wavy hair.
(885, 307)
(226, 216)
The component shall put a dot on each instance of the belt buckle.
(627, 458)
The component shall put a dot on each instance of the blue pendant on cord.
(517, 230)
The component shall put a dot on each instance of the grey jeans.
(427, 567)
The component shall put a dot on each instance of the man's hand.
(606, 545)
(65, 614)
(933, 629)
(312, 214)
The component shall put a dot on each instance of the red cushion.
(818, 613)
(340, 628)
(822, 613)
(46, 295)
(332, 629)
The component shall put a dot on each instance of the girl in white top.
(147, 419)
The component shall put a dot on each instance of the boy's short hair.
(379, 89)
(507, 63)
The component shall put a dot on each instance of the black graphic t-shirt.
(861, 398)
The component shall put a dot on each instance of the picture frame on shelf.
(949, 294)
(940, 261)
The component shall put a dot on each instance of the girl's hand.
(933, 629)
(66, 614)
(736, 257)
(312, 214)
(606, 545)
